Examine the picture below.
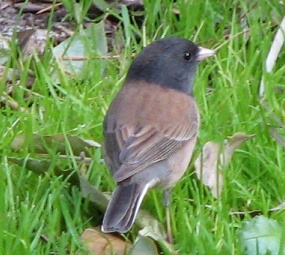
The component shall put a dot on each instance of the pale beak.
(205, 53)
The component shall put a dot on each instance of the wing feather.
(145, 137)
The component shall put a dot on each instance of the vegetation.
(46, 214)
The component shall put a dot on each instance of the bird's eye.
(187, 56)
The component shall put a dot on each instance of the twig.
(12, 103)
(49, 8)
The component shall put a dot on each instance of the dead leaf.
(59, 143)
(35, 165)
(150, 226)
(153, 229)
(214, 158)
(206, 166)
(94, 195)
(231, 144)
(32, 41)
(98, 243)
(40, 166)
(144, 245)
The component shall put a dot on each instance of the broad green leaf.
(262, 236)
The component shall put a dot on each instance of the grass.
(226, 89)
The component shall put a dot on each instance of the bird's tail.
(123, 207)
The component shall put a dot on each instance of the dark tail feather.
(123, 208)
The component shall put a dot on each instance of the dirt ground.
(52, 19)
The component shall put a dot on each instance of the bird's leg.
(166, 202)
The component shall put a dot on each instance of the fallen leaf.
(27, 42)
(98, 243)
(214, 158)
(144, 245)
(151, 227)
(40, 166)
(59, 143)
(94, 195)
(35, 165)
(206, 167)
(231, 144)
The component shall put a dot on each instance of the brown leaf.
(206, 166)
(26, 41)
(232, 143)
(98, 243)
(32, 41)
(212, 161)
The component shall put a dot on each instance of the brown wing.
(147, 125)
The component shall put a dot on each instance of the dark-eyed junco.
(151, 126)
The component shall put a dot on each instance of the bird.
(151, 127)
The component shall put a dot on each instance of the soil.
(51, 19)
